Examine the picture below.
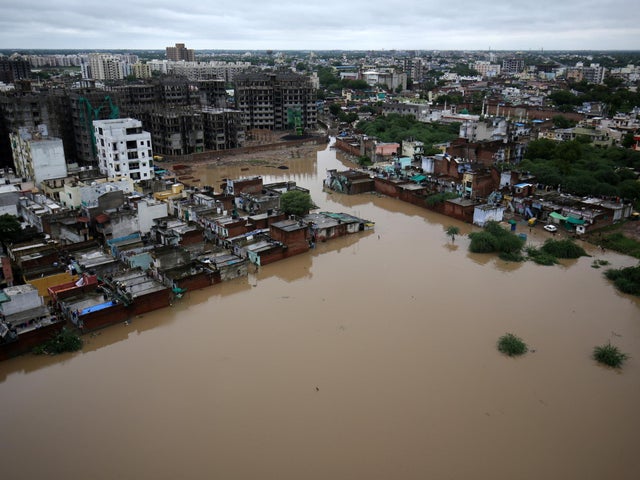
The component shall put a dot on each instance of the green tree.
(560, 121)
(296, 202)
(452, 231)
(10, 229)
(335, 109)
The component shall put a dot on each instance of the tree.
(452, 231)
(560, 121)
(10, 229)
(335, 109)
(296, 202)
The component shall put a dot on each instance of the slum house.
(488, 212)
(6, 271)
(172, 231)
(251, 185)
(146, 294)
(477, 184)
(87, 282)
(25, 322)
(327, 225)
(460, 209)
(385, 152)
(33, 254)
(174, 267)
(483, 153)
(192, 276)
(254, 203)
(294, 234)
(263, 220)
(257, 246)
(94, 260)
(226, 265)
(450, 167)
(220, 227)
(351, 182)
(91, 310)
(116, 223)
(119, 245)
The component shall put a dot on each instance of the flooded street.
(371, 357)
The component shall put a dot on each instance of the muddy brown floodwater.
(371, 357)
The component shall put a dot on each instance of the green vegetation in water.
(565, 248)
(619, 243)
(540, 257)
(65, 341)
(599, 263)
(627, 280)
(436, 198)
(495, 239)
(609, 355)
(452, 231)
(511, 345)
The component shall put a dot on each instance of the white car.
(550, 228)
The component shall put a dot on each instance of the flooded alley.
(370, 357)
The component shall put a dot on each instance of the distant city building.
(141, 70)
(101, 66)
(486, 69)
(512, 65)
(180, 52)
(14, 69)
(38, 156)
(124, 149)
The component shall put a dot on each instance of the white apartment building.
(101, 66)
(37, 156)
(124, 149)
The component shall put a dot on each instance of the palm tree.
(452, 231)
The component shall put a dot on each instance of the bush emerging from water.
(511, 345)
(609, 355)
(540, 257)
(627, 280)
(494, 238)
(565, 248)
(65, 341)
(512, 257)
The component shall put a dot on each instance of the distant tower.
(180, 52)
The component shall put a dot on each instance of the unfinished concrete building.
(276, 101)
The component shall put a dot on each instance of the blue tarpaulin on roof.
(96, 308)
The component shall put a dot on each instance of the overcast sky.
(321, 25)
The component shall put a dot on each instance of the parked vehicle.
(550, 228)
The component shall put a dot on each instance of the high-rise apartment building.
(180, 52)
(271, 100)
(124, 149)
(104, 67)
(12, 69)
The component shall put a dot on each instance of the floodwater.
(371, 357)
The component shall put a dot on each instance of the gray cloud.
(332, 24)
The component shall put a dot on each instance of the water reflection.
(350, 362)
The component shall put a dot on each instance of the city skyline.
(357, 25)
